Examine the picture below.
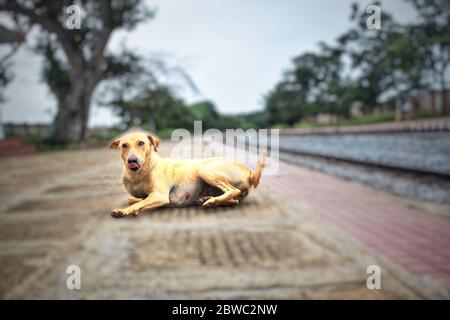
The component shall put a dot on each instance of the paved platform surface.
(409, 235)
(280, 243)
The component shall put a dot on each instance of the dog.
(153, 182)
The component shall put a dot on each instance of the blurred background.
(358, 92)
(299, 67)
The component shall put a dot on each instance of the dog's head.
(135, 148)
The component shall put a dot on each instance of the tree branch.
(101, 40)
(51, 26)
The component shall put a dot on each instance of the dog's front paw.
(118, 213)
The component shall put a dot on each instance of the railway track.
(371, 164)
(407, 182)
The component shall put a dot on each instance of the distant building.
(433, 102)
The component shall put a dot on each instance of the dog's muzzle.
(133, 163)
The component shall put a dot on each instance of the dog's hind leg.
(202, 200)
(221, 182)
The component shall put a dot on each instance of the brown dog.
(154, 182)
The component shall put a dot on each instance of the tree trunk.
(71, 119)
(70, 123)
(86, 105)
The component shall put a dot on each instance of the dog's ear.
(154, 141)
(114, 144)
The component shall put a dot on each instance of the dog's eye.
(124, 145)
(141, 143)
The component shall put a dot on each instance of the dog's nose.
(132, 158)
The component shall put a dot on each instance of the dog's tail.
(256, 175)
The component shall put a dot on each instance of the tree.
(432, 34)
(142, 110)
(139, 96)
(313, 85)
(206, 112)
(405, 69)
(326, 82)
(14, 39)
(396, 60)
(368, 55)
(401, 59)
(285, 104)
(76, 61)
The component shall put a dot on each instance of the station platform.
(300, 235)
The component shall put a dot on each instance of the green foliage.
(377, 117)
(206, 112)
(42, 145)
(161, 111)
(395, 61)
(76, 60)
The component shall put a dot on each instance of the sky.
(234, 50)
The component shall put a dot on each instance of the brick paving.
(417, 240)
(14, 147)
